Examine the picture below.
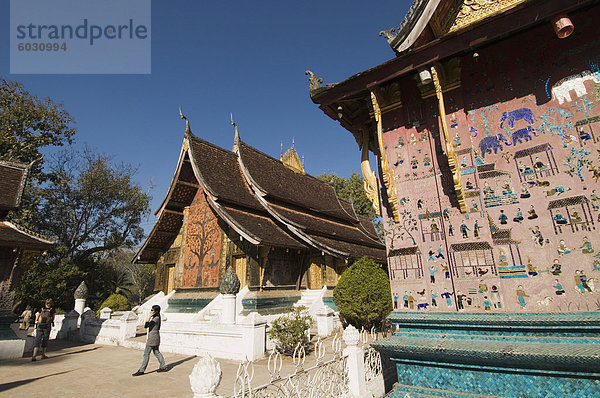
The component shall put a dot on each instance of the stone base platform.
(491, 355)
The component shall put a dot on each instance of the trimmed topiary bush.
(290, 329)
(116, 302)
(363, 294)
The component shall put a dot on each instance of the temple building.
(18, 246)
(281, 229)
(485, 130)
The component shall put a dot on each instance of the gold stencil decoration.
(370, 180)
(452, 158)
(388, 174)
(291, 160)
(467, 12)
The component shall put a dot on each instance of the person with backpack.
(153, 341)
(44, 322)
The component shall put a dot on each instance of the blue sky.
(214, 58)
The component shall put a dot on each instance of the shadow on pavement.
(176, 363)
(13, 384)
(72, 352)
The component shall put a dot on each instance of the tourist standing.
(153, 342)
(26, 315)
(44, 321)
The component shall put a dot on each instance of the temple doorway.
(170, 277)
(240, 266)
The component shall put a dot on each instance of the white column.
(355, 363)
(325, 321)
(105, 313)
(228, 311)
(79, 306)
(128, 325)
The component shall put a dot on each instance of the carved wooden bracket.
(452, 159)
(388, 174)
(370, 179)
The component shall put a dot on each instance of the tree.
(350, 189)
(583, 105)
(43, 280)
(556, 122)
(291, 329)
(91, 205)
(136, 281)
(363, 294)
(403, 229)
(27, 125)
(203, 236)
(116, 302)
(577, 161)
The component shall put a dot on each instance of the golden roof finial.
(187, 123)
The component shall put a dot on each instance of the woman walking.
(153, 325)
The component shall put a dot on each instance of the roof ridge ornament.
(188, 131)
(291, 160)
(389, 34)
(315, 81)
(236, 137)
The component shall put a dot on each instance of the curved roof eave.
(295, 229)
(411, 29)
(197, 172)
(174, 180)
(231, 222)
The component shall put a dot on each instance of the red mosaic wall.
(202, 246)
(525, 125)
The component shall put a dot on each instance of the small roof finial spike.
(187, 122)
(236, 136)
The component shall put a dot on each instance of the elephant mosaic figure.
(522, 134)
(491, 143)
(561, 91)
(517, 114)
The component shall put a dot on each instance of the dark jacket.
(153, 335)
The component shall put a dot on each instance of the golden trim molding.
(370, 179)
(388, 174)
(452, 159)
(472, 11)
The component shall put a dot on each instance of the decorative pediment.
(466, 12)
(291, 160)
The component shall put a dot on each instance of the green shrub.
(116, 302)
(290, 329)
(363, 294)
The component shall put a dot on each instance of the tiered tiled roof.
(263, 201)
(309, 206)
(13, 236)
(12, 181)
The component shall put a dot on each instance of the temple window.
(405, 263)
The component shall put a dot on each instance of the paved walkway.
(90, 370)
